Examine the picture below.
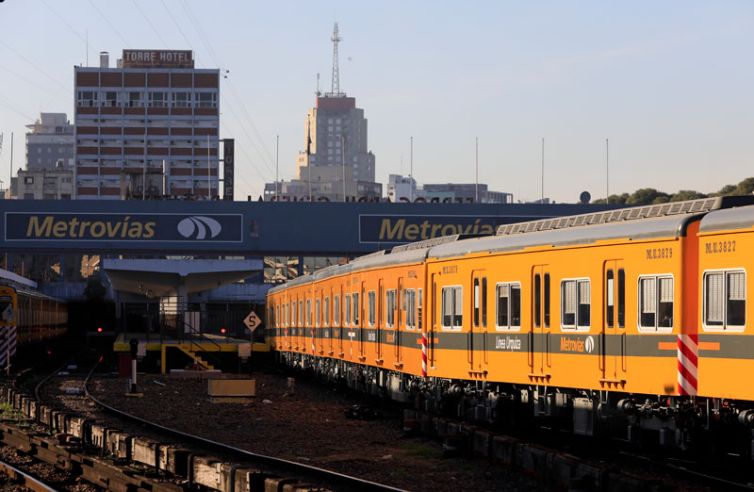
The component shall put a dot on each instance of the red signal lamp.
(99, 329)
(222, 330)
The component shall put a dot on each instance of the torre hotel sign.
(158, 58)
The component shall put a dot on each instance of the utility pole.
(209, 174)
(343, 162)
(277, 158)
(607, 170)
(543, 171)
(11, 160)
(411, 170)
(476, 182)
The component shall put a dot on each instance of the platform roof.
(164, 278)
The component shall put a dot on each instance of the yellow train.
(28, 316)
(638, 315)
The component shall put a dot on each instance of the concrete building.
(50, 143)
(336, 164)
(45, 184)
(147, 128)
(404, 189)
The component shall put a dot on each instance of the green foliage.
(647, 196)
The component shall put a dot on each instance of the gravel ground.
(52, 476)
(309, 425)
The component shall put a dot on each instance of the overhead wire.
(208, 45)
(107, 20)
(149, 22)
(255, 142)
(190, 45)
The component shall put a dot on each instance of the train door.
(432, 322)
(400, 305)
(379, 318)
(539, 335)
(338, 318)
(477, 335)
(612, 357)
(358, 318)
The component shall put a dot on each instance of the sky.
(669, 84)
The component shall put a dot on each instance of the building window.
(111, 99)
(158, 100)
(725, 300)
(28, 180)
(182, 99)
(575, 304)
(207, 99)
(135, 99)
(452, 307)
(655, 302)
(28, 196)
(87, 99)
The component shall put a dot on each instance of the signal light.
(99, 329)
(222, 330)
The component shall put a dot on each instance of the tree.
(682, 195)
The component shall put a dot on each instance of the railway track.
(182, 460)
(23, 479)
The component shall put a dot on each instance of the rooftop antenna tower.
(335, 88)
(318, 92)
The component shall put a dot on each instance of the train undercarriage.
(706, 426)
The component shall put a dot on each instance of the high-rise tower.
(335, 162)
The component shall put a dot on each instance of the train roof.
(403, 254)
(728, 219)
(667, 220)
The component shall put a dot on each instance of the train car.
(635, 315)
(27, 317)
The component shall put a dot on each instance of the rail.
(23, 478)
(346, 481)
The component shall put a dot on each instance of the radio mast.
(335, 87)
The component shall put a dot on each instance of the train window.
(410, 298)
(419, 311)
(327, 312)
(537, 300)
(655, 302)
(390, 308)
(621, 298)
(347, 303)
(508, 306)
(484, 302)
(724, 300)
(575, 304)
(452, 307)
(547, 300)
(476, 302)
(300, 313)
(317, 312)
(308, 313)
(356, 308)
(372, 302)
(610, 299)
(336, 310)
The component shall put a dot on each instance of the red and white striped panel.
(7, 345)
(424, 355)
(688, 363)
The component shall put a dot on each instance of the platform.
(196, 347)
